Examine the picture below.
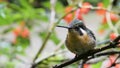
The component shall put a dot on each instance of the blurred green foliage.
(33, 13)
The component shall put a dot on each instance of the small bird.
(79, 39)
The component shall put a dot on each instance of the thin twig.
(113, 63)
(55, 52)
(109, 19)
(104, 42)
(97, 8)
(52, 19)
(117, 25)
(49, 56)
(102, 54)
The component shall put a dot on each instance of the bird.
(79, 38)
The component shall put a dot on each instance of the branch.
(103, 42)
(113, 64)
(108, 53)
(99, 55)
(49, 56)
(97, 8)
(89, 53)
(55, 52)
(51, 28)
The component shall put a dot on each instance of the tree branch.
(90, 53)
(113, 63)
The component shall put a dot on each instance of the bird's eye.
(76, 25)
(76, 28)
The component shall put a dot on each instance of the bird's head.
(77, 26)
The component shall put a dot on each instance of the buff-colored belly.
(79, 45)
(79, 48)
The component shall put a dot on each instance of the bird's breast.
(79, 44)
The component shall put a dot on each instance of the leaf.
(21, 44)
(46, 4)
(9, 65)
(97, 65)
(104, 26)
(54, 38)
(59, 8)
(106, 3)
(25, 4)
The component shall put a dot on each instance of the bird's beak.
(64, 27)
(67, 27)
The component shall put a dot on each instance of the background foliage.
(26, 24)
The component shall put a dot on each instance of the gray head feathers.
(76, 22)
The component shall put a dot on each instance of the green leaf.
(46, 4)
(54, 38)
(25, 4)
(41, 14)
(106, 3)
(9, 65)
(103, 26)
(59, 8)
(22, 42)
(4, 21)
(97, 65)
(42, 35)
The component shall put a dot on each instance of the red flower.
(86, 66)
(68, 18)
(78, 14)
(104, 21)
(25, 33)
(84, 8)
(113, 36)
(114, 17)
(100, 11)
(17, 31)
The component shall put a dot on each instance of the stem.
(113, 63)
(109, 20)
(117, 25)
(52, 26)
